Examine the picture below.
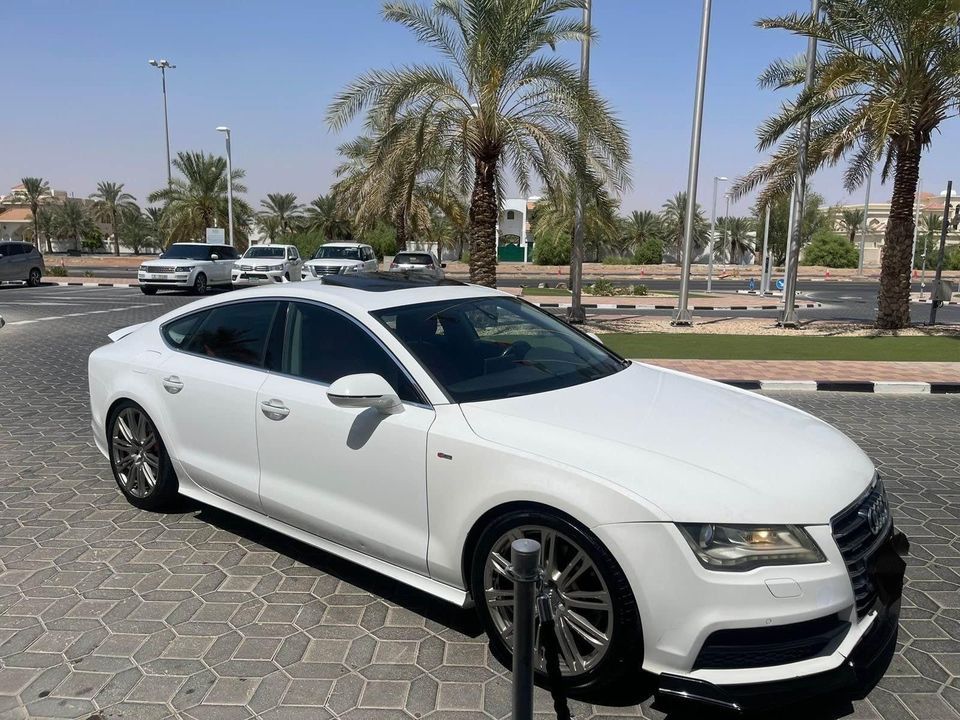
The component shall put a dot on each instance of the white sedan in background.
(345, 414)
(267, 264)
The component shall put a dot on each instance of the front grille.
(858, 541)
(326, 269)
(161, 269)
(769, 646)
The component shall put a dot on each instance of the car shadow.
(462, 620)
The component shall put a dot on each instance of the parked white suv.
(267, 264)
(420, 262)
(731, 576)
(340, 258)
(188, 266)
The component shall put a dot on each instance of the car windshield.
(264, 251)
(187, 252)
(330, 252)
(495, 347)
(413, 259)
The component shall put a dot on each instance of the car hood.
(693, 449)
(169, 262)
(252, 262)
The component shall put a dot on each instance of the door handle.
(172, 384)
(274, 409)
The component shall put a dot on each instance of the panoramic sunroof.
(387, 281)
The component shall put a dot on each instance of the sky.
(81, 104)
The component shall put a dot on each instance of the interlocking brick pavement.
(110, 612)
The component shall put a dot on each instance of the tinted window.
(237, 333)
(187, 252)
(493, 347)
(263, 251)
(324, 346)
(12, 249)
(414, 259)
(327, 252)
(178, 332)
(227, 252)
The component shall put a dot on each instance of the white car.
(188, 266)
(417, 427)
(339, 258)
(267, 264)
(421, 262)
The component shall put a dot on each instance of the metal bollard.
(524, 562)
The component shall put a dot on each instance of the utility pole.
(226, 131)
(576, 313)
(943, 244)
(764, 259)
(789, 317)
(713, 225)
(163, 66)
(863, 230)
(683, 315)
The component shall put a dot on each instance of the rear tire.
(138, 458)
(33, 279)
(148, 290)
(199, 285)
(597, 624)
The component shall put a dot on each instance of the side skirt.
(432, 587)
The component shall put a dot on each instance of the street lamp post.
(682, 315)
(163, 66)
(713, 224)
(943, 244)
(224, 129)
(765, 273)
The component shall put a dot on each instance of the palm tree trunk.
(893, 309)
(483, 224)
(116, 232)
(401, 228)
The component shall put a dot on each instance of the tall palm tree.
(851, 219)
(672, 219)
(284, 209)
(35, 188)
(139, 230)
(735, 237)
(496, 100)
(888, 75)
(198, 199)
(110, 202)
(323, 215)
(72, 220)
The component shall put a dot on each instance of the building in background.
(514, 239)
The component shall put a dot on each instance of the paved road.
(110, 612)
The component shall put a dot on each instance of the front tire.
(148, 290)
(33, 279)
(597, 625)
(139, 458)
(199, 285)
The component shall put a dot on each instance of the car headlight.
(143, 268)
(744, 547)
(183, 268)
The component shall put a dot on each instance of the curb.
(927, 302)
(878, 387)
(74, 283)
(618, 306)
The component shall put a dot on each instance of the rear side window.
(235, 333)
(179, 331)
(324, 346)
(13, 249)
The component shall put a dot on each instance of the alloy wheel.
(136, 452)
(34, 279)
(581, 601)
(200, 284)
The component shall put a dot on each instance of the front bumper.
(861, 668)
(168, 280)
(248, 278)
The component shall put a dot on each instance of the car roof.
(277, 245)
(195, 243)
(345, 244)
(352, 299)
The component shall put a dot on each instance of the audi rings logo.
(876, 513)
